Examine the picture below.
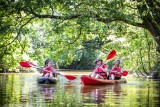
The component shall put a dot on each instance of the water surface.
(22, 90)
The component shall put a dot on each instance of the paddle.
(27, 64)
(111, 55)
(124, 73)
(69, 77)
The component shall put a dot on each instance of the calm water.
(22, 90)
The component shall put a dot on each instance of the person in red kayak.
(116, 70)
(49, 70)
(100, 70)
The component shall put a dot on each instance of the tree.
(68, 23)
(140, 13)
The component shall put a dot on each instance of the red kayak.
(86, 80)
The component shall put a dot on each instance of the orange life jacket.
(101, 72)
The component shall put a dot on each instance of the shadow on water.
(22, 90)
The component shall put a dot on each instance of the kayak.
(86, 80)
(46, 80)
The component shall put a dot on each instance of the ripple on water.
(23, 91)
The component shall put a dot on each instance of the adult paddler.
(116, 70)
(100, 71)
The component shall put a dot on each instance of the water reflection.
(69, 86)
(98, 94)
(47, 91)
(23, 91)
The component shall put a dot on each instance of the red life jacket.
(101, 72)
(47, 70)
(117, 69)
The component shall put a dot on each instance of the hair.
(98, 60)
(46, 62)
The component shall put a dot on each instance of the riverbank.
(62, 71)
(155, 75)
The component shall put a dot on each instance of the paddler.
(115, 73)
(100, 70)
(49, 70)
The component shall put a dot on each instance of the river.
(22, 90)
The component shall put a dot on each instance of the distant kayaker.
(49, 70)
(100, 70)
(116, 70)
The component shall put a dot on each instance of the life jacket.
(117, 69)
(47, 70)
(101, 72)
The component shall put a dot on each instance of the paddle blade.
(25, 64)
(70, 77)
(111, 54)
(124, 73)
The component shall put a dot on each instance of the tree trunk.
(152, 28)
(143, 68)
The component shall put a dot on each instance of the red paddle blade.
(124, 73)
(25, 64)
(70, 77)
(111, 54)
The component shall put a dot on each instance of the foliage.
(57, 29)
(86, 55)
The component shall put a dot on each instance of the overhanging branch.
(18, 33)
(54, 16)
(80, 32)
(108, 20)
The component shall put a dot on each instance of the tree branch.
(18, 33)
(80, 32)
(53, 16)
(108, 20)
